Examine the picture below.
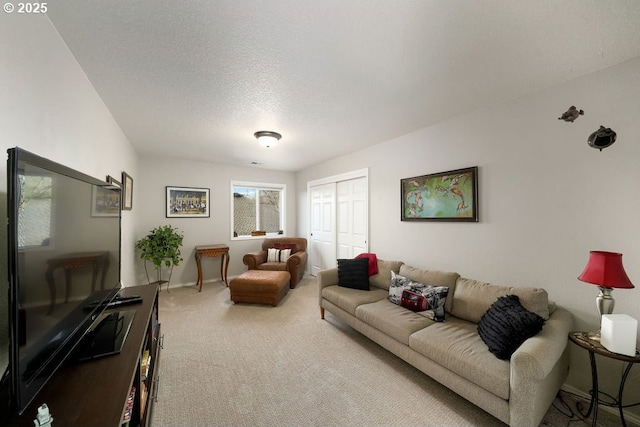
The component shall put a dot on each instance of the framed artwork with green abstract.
(443, 196)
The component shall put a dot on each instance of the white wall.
(48, 106)
(156, 173)
(546, 198)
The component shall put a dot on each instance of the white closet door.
(322, 243)
(352, 217)
(339, 219)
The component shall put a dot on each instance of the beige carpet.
(257, 365)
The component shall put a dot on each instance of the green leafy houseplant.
(161, 247)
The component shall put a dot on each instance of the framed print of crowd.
(443, 196)
(187, 202)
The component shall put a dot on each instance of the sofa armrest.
(253, 259)
(296, 260)
(296, 265)
(538, 368)
(326, 278)
(536, 357)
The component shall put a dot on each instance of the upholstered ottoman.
(260, 287)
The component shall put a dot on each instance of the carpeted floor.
(257, 365)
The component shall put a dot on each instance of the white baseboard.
(183, 285)
(630, 419)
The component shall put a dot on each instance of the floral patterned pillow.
(414, 301)
(435, 296)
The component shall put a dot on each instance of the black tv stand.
(114, 391)
(125, 300)
(118, 301)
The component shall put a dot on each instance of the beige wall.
(49, 107)
(546, 198)
(157, 173)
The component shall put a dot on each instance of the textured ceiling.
(196, 79)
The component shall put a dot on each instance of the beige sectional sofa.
(518, 391)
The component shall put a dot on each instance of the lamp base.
(605, 301)
(605, 304)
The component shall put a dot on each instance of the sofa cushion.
(278, 255)
(432, 277)
(299, 242)
(414, 301)
(472, 299)
(399, 284)
(273, 266)
(291, 246)
(435, 296)
(391, 319)
(383, 278)
(348, 299)
(353, 273)
(456, 345)
(506, 325)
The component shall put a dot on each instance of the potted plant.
(161, 247)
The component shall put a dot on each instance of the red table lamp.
(605, 270)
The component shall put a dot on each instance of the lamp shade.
(605, 269)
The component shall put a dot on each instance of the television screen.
(64, 264)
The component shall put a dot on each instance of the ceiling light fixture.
(267, 138)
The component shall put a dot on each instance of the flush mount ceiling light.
(267, 138)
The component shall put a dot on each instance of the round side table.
(595, 347)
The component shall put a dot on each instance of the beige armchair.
(295, 264)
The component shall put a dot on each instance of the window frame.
(259, 186)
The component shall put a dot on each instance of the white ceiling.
(195, 79)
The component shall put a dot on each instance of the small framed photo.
(187, 202)
(127, 192)
(104, 203)
(443, 196)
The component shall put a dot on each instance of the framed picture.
(187, 202)
(444, 196)
(104, 202)
(127, 192)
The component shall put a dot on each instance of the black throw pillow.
(354, 273)
(506, 325)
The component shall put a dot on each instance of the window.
(257, 209)
(34, 211)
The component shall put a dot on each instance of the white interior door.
(322, 240)
(339, 219)
(352, 217)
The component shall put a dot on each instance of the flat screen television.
(64, 265)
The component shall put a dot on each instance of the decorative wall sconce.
(602, 138)
(571, 114)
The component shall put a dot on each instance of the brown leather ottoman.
(260, 287)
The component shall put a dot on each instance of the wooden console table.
(213, 251)
(95, 260)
